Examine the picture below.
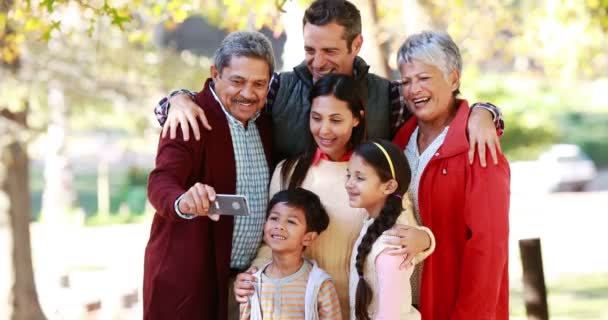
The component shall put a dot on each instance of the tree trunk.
(14, 181)
(373, 51)
(58, 196)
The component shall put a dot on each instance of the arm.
(391, 281)
(484, 127)
(273, 89)
(169, 179)
(399, 111)
(485, 255)
(161, 110)
(414, 242)
(328, 302)
(418, 257)
(179, 109)
(408, 238)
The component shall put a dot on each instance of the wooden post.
(535, 292)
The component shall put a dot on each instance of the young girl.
(378, 177)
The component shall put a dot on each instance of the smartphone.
(230, 205)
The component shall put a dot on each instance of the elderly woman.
(465, 206)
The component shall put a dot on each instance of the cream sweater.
(333, 247)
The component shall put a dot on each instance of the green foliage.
(561, 39)
(588, 130)
(599, 12)
(134, 190)
(539, 113)
(527, 135)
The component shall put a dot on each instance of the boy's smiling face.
(285, 229)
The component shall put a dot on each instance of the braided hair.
(374, 156)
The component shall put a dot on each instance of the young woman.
(378, 177)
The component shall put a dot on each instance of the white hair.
(433, 48)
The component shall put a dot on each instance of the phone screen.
(230, 204)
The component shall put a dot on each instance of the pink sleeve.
(391, 279)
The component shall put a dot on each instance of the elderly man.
(192, 255)
(332, 41)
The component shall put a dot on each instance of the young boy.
(290, 286)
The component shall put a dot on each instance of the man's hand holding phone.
(198, 200)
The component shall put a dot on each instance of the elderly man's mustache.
(243, 100)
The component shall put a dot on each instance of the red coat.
(187, 262)
(467, 208)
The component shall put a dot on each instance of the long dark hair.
(343, 88)
(373, 155)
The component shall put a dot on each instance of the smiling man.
(191, 255)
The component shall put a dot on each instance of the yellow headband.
(390, 163)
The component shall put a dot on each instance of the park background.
(79, 80)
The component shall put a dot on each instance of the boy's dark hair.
(342, 12)
(316, 216)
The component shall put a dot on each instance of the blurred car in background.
(569, 168)
(562, 167)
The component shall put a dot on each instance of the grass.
(583, 296)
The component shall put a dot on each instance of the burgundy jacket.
(467, 208)
(187, 262)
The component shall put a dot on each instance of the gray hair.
(250, 44)
(433, 48)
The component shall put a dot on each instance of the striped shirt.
(252, 176)
(284, 298)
